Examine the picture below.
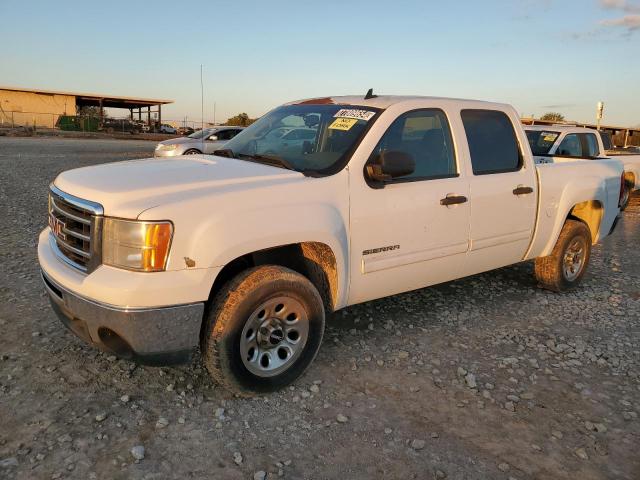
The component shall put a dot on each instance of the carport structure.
(38, 107)
(130, 103)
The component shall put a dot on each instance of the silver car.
(202, 141)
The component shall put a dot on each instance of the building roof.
(93, 99)
(551, 124)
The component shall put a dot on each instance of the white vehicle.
(203, 141)
(165, 128)
(552, 144)
(244, 253)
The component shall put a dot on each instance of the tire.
(245, 324)
(567, 264)
(192, 151)
(626, 194)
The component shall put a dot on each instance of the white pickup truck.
(243, 253)
(558, 143)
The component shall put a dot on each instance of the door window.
(224, 134)
(426, 136)
(570, 146)
(492, 142)
(592, 145)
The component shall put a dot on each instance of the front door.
(413, 232)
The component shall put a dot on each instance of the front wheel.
(567, 264)
(263, 330)
(192, 151)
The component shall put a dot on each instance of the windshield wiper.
(269, 159)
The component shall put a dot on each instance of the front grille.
(74, 223)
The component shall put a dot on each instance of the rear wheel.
(627, 188)
(263, 330)
(567, 264)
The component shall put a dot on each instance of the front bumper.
(152, 336)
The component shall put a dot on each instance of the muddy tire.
(568, 262)
(262, 330)
(629, 183)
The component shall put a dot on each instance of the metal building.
(43, 108)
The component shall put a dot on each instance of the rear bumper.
(152, 336)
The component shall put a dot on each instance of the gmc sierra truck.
(559, 143)
(243, 253)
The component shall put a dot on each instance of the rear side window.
(492, 142)
(425, 135)
(570, 146)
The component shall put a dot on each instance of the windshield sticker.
(343, 124)
(549, 136)
(354, 113)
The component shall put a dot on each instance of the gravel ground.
(488, 377)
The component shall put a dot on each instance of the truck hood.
(179, 141)
(126, 189)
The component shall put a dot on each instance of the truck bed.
(567, 182)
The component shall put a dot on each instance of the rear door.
(502, 191)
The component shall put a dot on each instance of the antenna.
(370, 94)
(201, 110)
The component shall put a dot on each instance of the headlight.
(162, 146)
(142, 246)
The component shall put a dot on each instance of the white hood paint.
(125, 189)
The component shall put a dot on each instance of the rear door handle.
(522, 190)
(453, 199)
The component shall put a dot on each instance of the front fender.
(211, 232)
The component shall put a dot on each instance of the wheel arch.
(590, 213)
(196, 150)
(315, 260)
(630, 179)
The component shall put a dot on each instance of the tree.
(553, 117)
(240, 120)
(88, 111)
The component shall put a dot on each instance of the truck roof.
(559, 128)
(385, 101)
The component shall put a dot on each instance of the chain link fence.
(95, 123)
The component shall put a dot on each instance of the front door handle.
(522, 190)
(453, 200)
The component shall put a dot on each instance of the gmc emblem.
(57, 227)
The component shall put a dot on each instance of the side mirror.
(213, 138)
(389, 165)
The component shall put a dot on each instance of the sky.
(539, 55)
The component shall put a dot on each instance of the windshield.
(307, 138)
(201, 133)
(541, 141)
